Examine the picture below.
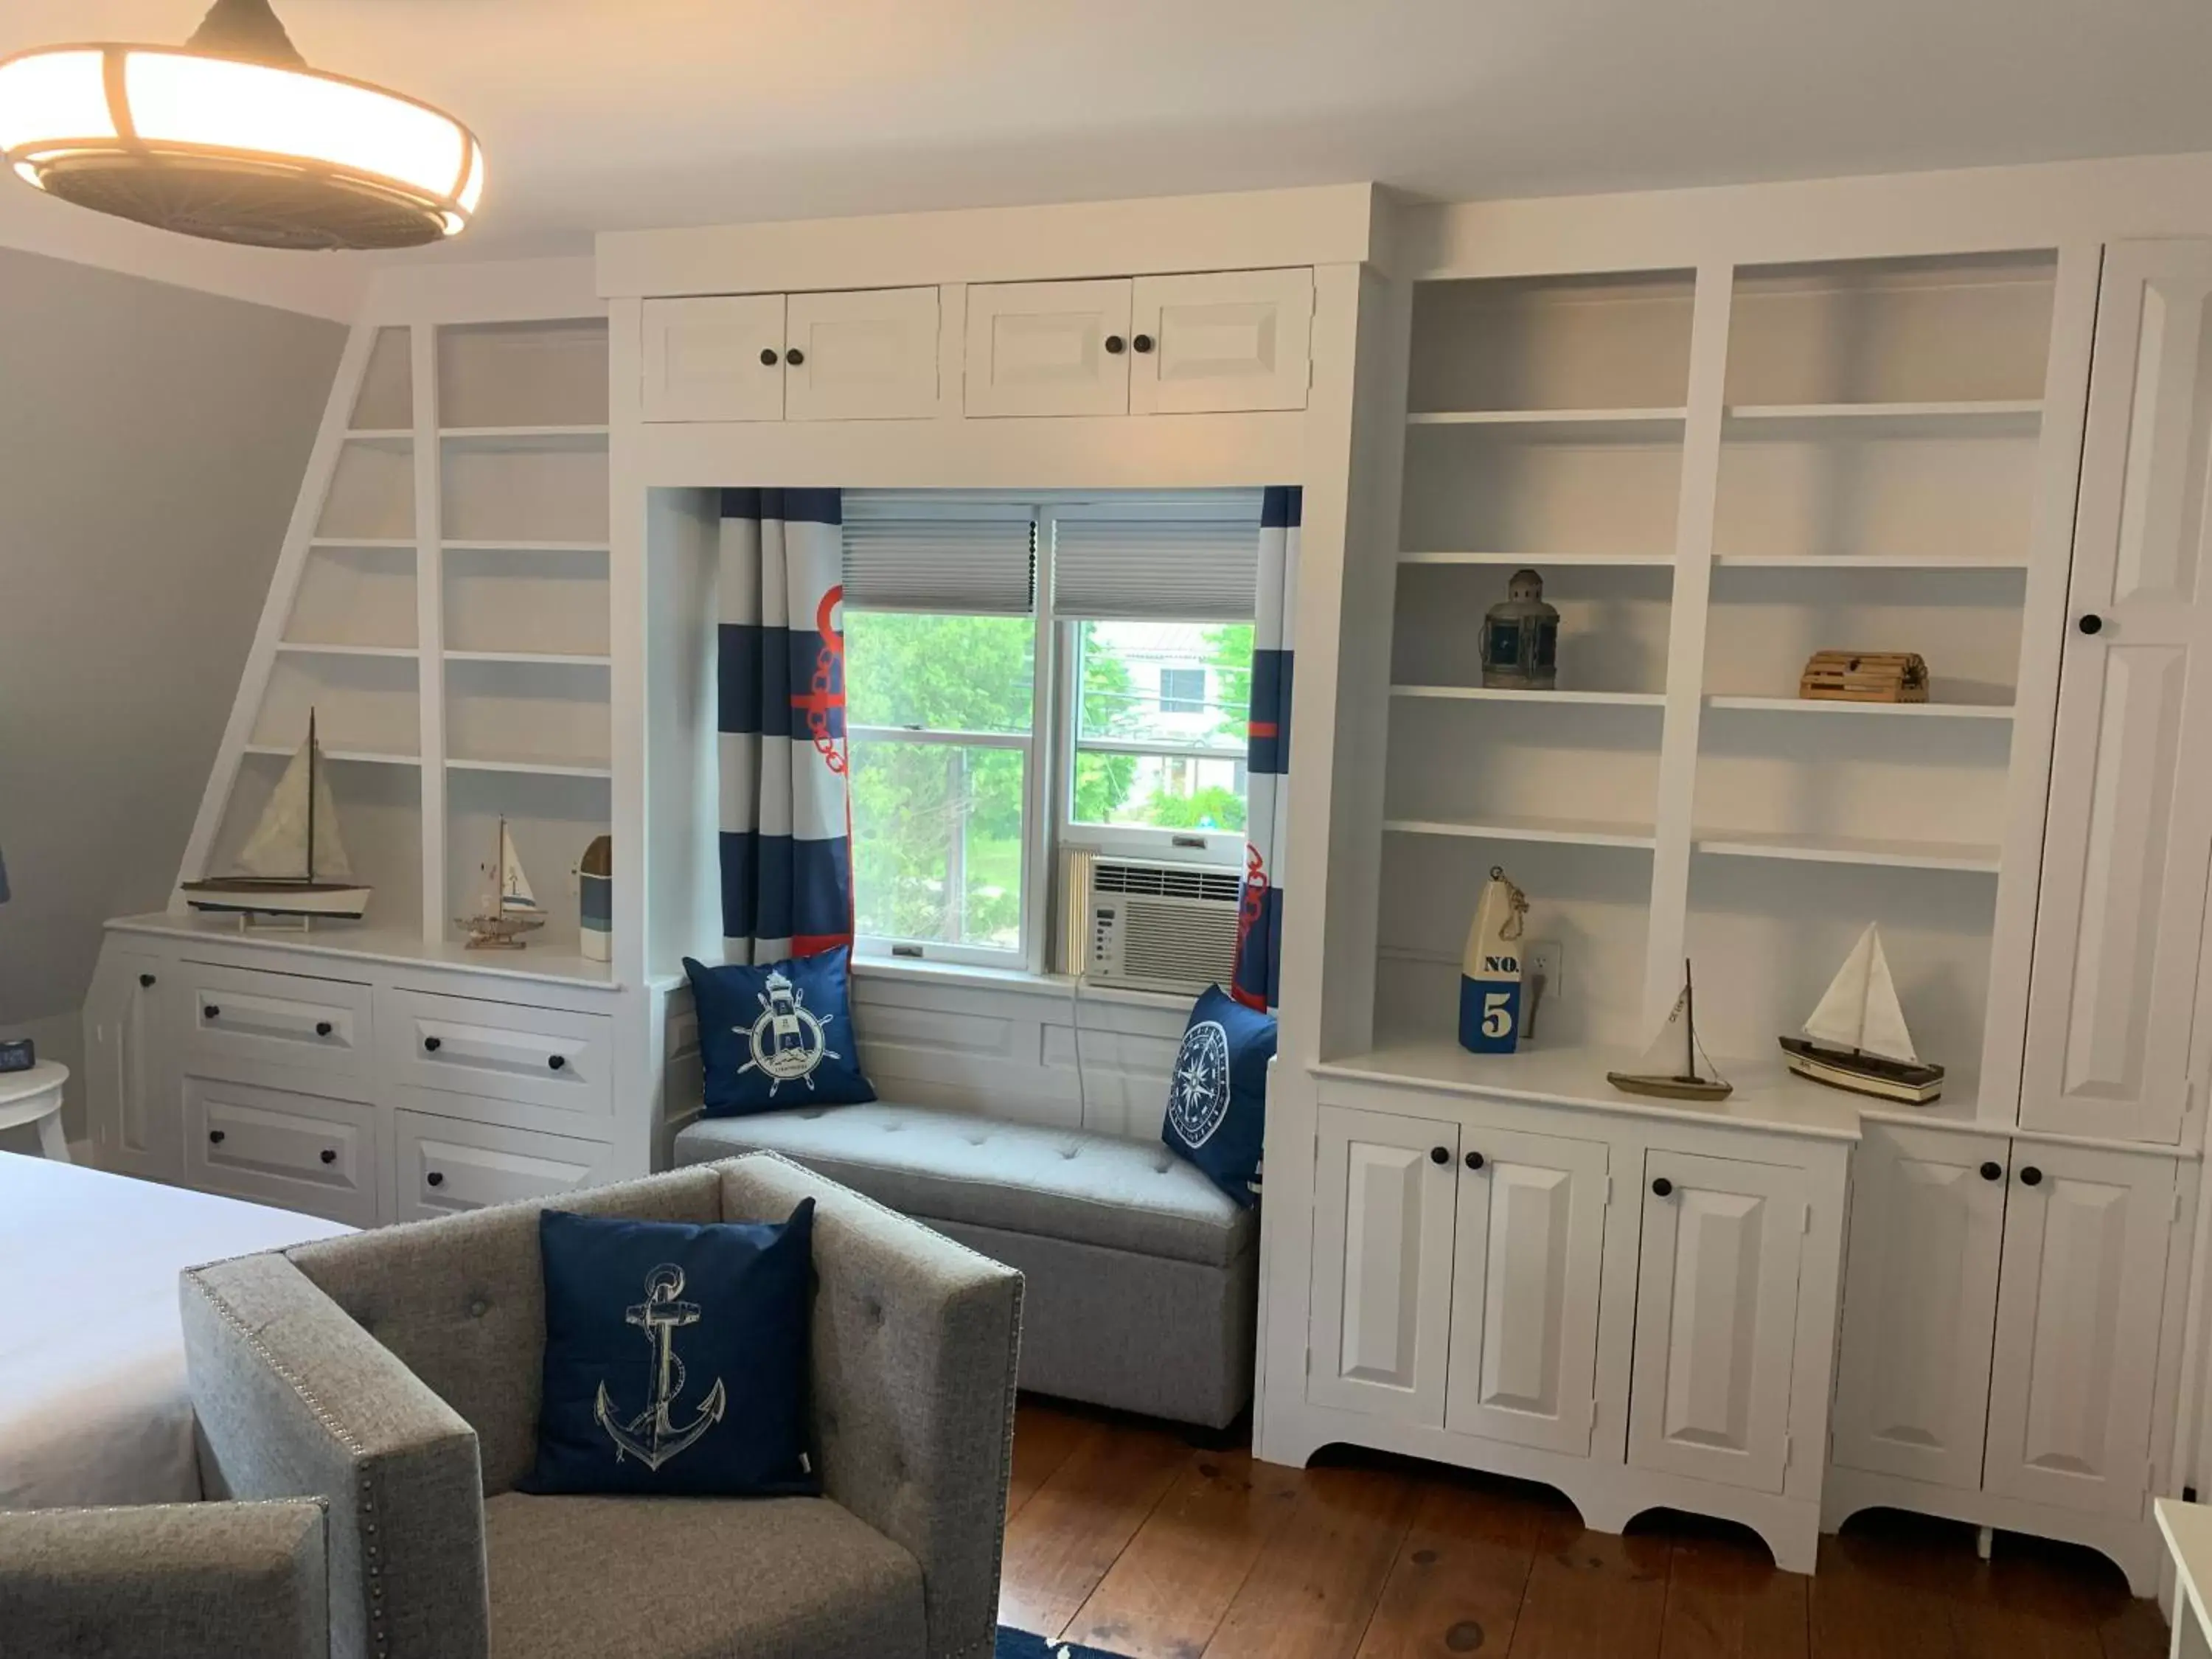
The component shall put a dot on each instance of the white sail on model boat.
(515, 910)
(294, 864)
(1668, 1068)
(1857, 1038)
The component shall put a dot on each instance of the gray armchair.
(168, 1581)
(397, 1373)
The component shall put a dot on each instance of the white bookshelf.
(445, 613)
(1868, 436)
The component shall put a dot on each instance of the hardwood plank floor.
(1124, 1534)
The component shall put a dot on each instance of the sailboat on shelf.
(1677, 1036)
(294, 866)
(513, 912)
(1857, 1038)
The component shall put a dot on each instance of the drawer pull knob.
(210, 1012)
(1992, 1170)
(2030, 1177)
(794, 356)
(2091, 624)
(1662, 1187)
(769, 358)
(436, 1177)
(1439, 1155)
(1143, 343)
(146, 980)
(1475, 1160)
(1115, 345)
(329, 1157)
(215, 1137)
(323, 1027)
(557, 1062)
(431, 1045)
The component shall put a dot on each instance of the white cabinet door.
(863, 356)
(1920, 1304)
(126, 1055)
(1225, 341)
(1531, 1235)
(1384, 1190)
(441, 1165)
(1048, 348)
(718, 358)
(1715, 1319)
(2087, 1235)
(2130, 832)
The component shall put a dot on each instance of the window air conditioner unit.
(1147, 926)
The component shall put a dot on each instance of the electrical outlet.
(1543, 959)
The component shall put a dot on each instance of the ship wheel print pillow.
(1218, 1094)
(778, 1036)
(677, 1356)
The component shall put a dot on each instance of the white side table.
(2188, 1531)
(35, 1097)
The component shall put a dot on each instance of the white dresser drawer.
(441, 1164)
(303, 1151)
(281, 1019)
(545, 1057)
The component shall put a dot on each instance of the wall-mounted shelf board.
(570, 660)
(314, 648)
(1514, 560)
(386, 543)
(2004, 415)
(466, 432)
(1495, 694)
(1570, 831)
(401, 433)
(356, 756)
(1953, 711)
(1851, 849)
(1562, 425)
(540, 546)
(535, 769)
(1864, 561)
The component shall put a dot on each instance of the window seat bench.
(1142, 1275)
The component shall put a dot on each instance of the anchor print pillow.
(676, 1358)
(778, 1036)
(1217, 1093)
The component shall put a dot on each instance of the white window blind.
(975, 560)
(1132, 567)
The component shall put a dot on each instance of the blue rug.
(1019, 1645)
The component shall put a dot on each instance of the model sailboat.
(513, 911)
(295, 864)
(1676, 1044)
(1857, 1038)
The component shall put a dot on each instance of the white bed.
(93, 1404)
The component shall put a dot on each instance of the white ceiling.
(617, 114)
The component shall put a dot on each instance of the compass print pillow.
(1218, 1094)
(778, 1036)
(677, 1356)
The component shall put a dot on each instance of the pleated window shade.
(981, 561)
(1111, 569)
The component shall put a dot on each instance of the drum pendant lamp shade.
(232, 137)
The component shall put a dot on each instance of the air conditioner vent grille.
(1165, 881)
(1177, 943)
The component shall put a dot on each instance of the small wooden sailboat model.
(1857, 1038)
(294, 866)
(1677, 1036)
(515, 911)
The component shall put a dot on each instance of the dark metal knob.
(1662, 1187)
(210, 1012)
(557, 1062)
(436, 1177)
(768, 357)
(1439, 1154)
(1475, 1160)
(794, 356)
(215, 1137)
(329, 1157)
(323, 1027)
(2092, 623)
(1143, 343)
(1115, 345)
(1992, 1170)
(2030, 1177)
(146, 979)
(431, 1045)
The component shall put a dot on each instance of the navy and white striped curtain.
(786, 819)
(1260, 923)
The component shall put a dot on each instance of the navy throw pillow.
(1218, 1097)
(778, 1036)
(677, 1356)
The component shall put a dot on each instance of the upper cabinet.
(1048, 348)
(852, 356)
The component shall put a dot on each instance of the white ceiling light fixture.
(232, 137)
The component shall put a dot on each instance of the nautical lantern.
(1520, 638)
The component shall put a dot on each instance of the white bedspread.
(93, 1404)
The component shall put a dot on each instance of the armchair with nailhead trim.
(397, 1373)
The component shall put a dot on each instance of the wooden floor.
(1124, 1536)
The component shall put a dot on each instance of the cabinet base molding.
(2130, 1543)
(1608, 1495)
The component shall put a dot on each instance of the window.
(1173, 761)
(1182, 690)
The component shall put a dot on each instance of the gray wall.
(151, 443)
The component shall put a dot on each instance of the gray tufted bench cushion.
(1142, 1274)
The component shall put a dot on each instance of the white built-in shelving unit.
(443, 608)
(1716, 478)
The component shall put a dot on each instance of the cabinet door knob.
(1143, 343)
(1115, 345)
(1439, 1154)
(323, 1027)
(146, 979)
(794, 356)
(2030, 1177)
(1662, 1187)
(557, 1062)
(769, 357)
(1475, 1160)
(431, 1045)
(2092, 623)
(215, 1137)
(1992, 1170)
(210, 1012)
(329, 1157)
(436, 1177)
